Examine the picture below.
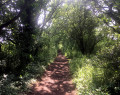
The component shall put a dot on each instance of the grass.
(88, 78)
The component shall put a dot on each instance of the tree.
(18, 29)
(79, 25)
(22, 36)
(109, 9)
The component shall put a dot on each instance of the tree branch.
(12, 20)
(11, 41)
(5, 3)
(110, 26)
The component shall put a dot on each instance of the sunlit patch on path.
(56, 80)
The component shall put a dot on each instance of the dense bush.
(88, 78)
(98, 74)
(111, 65)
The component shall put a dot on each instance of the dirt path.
(56, 80)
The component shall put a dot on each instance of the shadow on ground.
(56, 80)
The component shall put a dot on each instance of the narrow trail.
(56, 79)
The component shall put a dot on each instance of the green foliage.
(11, 85)
(77, 27)
(88, 79)
(25, 51)
(111, 15)
(83, 30)
(19, 36)
(98, 74)
(110, 57)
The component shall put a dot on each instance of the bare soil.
(56, 79)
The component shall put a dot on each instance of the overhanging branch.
(5, 3)
(12, 20)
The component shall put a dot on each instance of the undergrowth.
(12, 85)
(97, 74)
(88, 78)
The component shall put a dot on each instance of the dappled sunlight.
(56, 80)
(88, 79)
(31, 82)
(59, 47)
